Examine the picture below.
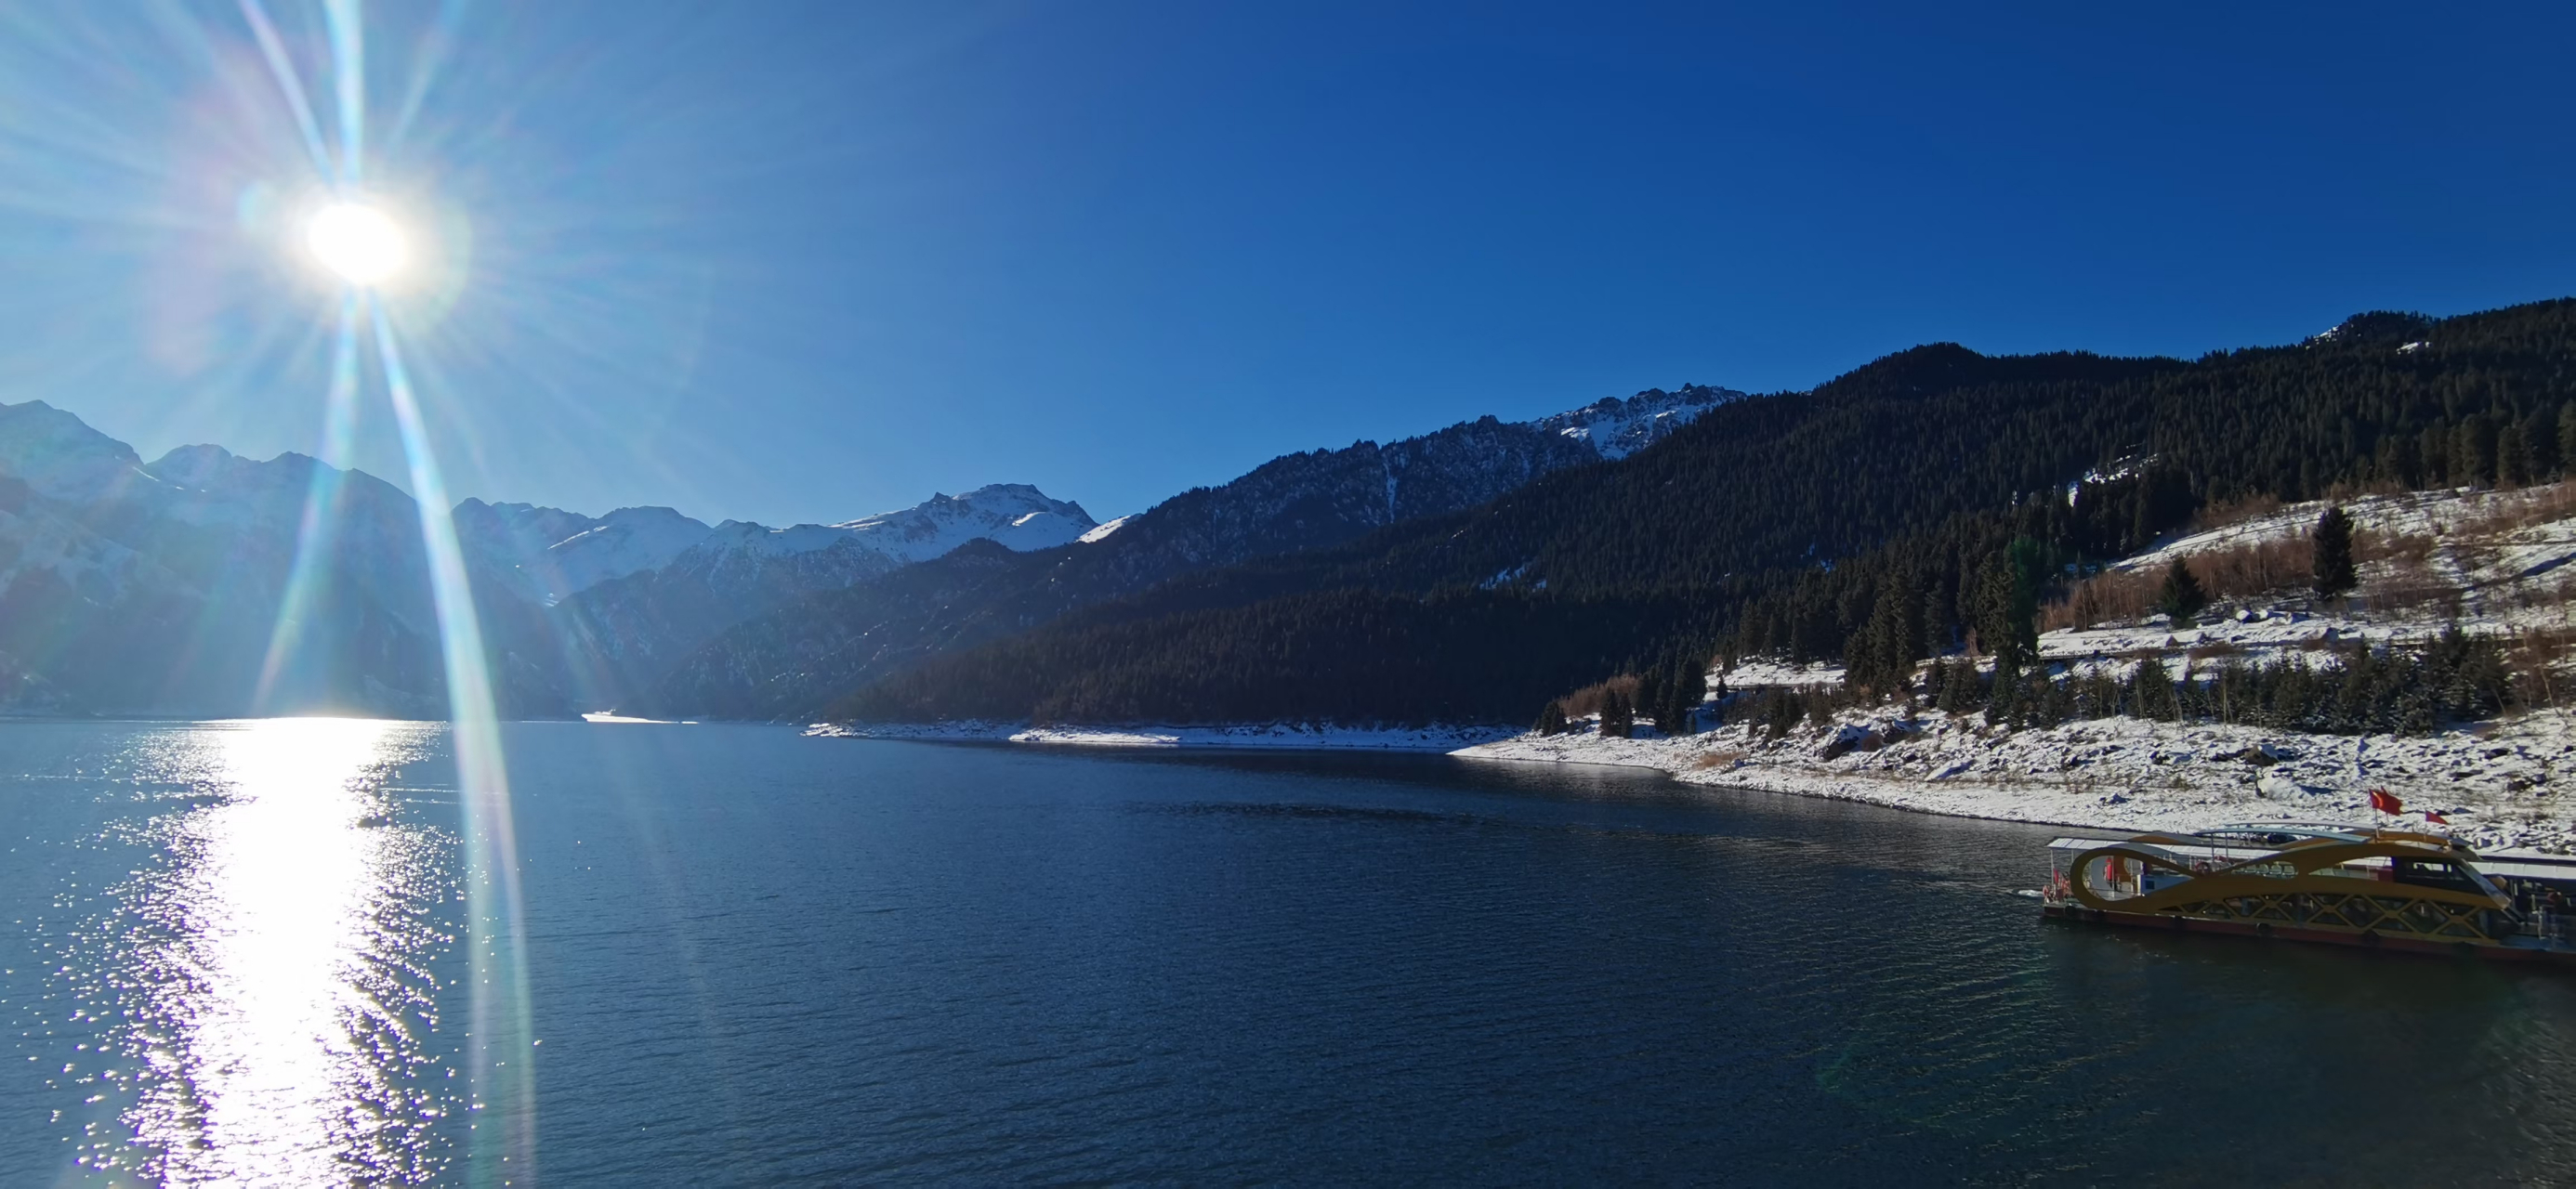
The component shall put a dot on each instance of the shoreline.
(2499, 784)
(1438, 739)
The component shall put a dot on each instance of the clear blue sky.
(804, 262)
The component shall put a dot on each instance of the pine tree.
(1652, 699)
(2001, 627)
(2567, 438)
(1689, 688)
(1551, 719)
(2005, 707)
(2181, 597)
(2151, 692)
(2473, 453)
(2513, 458)
(1618, 718)
(2334, 569)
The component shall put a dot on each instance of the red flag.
(2385, 801)
(2435, 818)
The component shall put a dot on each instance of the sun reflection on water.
(284, 968)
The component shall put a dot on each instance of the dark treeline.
(1363, 656)
(1886, 517)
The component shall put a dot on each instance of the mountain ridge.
(109, 563)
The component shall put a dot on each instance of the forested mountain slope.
(790, 662)
(1871, 513)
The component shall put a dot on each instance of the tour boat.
(2352, 885)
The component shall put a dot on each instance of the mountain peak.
(1016, 515)
(2376, 326)
(60, 457)
(1617, 428)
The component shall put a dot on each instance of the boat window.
(2433, 873)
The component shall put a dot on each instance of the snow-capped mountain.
(549, 555)
(640, 622)
(167, 586)
(174, 586)
(1015, 515)
(789, 661)
(626, 541)
(61, 458)
(170, 587)
(1617, 428)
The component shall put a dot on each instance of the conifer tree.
(1551, 719)
(2005, 708)
(2151, 692)
(2007, 607)
(1689, 687)
(2473, 453)
(2334, 568)
(2029, 562)
(2567, 438)
(1958, 687)
(2181, 597)
(2433, 454)
(1618, 718)
(2513, 458)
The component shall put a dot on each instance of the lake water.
(240, 953)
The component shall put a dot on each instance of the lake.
(254, 953)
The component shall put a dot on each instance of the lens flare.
(359, 243)
(363, 246)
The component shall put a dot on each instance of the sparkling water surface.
(237, 953)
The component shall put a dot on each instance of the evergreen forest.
(1925, 503)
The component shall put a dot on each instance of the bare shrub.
(2408, 548)
(2110, 595)
(2406, 580)
(1717, 759)
(2252, 507)
(2253, 568)
(2258, 567)
(2523, 508)
(1588, 700)
(2536, 663)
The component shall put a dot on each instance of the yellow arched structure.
(2340, 884)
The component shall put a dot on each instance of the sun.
(358, 243)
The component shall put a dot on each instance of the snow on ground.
(2510, 784)
(1758, 672)
(2504, 550)
(1294, 736)
(2505, 785)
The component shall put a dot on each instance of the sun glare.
(358, 243)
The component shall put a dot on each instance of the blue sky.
(805, 262)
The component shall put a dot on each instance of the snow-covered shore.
(2506, 785)
(1258, 736)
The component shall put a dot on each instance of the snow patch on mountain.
(551, 554)
(1101, 531)
(623, 542)
(1017, 516)
(1618, 428)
